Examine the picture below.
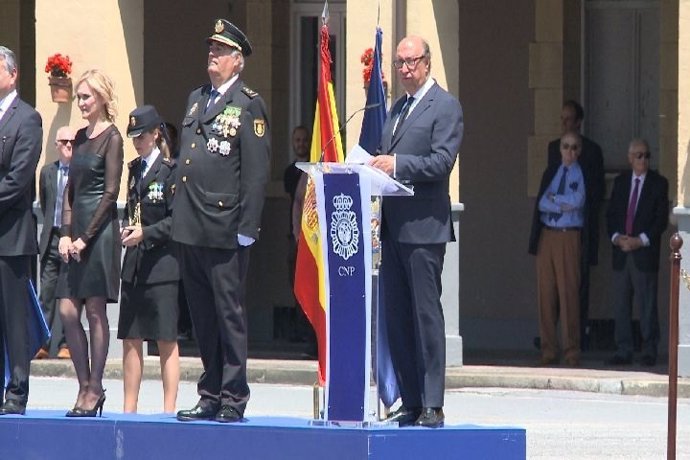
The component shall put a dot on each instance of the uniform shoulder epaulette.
(251, 94)
(169, 162)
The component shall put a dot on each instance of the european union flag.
(375, 115)
(370, 140)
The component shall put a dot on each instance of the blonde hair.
(102, 85)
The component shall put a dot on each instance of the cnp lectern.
(342, 194)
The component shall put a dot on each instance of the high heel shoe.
(97, 409)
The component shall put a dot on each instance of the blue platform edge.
(49, 435)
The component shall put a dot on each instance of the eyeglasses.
(411, 63)
(566, 146)
(641, 155)
(65, 141)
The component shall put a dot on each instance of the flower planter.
(60, 89)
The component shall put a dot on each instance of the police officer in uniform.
(150, 274)
(222, 172)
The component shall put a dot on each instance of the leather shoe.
(63, 353)
(647, 360)
(42, 353)
(228, 414)
(431, 417)
(196, 413)
(618, 360)
(404, 416)
(12, 407)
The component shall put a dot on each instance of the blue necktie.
(212, 99)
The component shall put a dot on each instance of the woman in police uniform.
(150, 273)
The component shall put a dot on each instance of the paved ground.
(520, 373)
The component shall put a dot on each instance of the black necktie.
(403, 113)
(143, 168)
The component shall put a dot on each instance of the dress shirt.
(6, 102)
(149, 160)
(569, 204)
(62, 176)
(643, 236)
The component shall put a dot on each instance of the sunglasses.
(641, 155)
(65, 141)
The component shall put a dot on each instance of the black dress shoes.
(404, 416)
(431, 417)
(618, 360)
(12, 407)
(197, 413)
(228, 414)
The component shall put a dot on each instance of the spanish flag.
(310, 276)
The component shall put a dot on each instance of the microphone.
(342, 126)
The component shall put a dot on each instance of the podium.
(343, 194)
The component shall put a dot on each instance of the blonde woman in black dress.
(90, 242)
(150, 274)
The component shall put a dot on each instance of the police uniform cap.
(142, 119)
(227, 33)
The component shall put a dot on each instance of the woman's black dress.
(90, 213)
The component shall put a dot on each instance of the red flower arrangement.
(59, 65)
(368, 60)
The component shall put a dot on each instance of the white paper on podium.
(358, 155)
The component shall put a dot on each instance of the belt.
(563, 229)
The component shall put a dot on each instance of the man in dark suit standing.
(636, 218)
(591, 160)
(219, 194)
(51, 187)
(420, 142)
(21, 135)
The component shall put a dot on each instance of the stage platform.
(49, 435)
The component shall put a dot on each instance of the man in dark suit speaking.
(420, 142)
(636, 218)
(21, 135)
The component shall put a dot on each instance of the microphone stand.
(342, 126)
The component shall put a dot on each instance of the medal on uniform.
(193, 109)
(228, 121)
(155, 192)
(224, 148)
(212, 145)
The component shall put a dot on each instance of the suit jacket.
(537, 225)
(591, 161)
(426, 146)
(152, 260)
(651, 218)
(47, 196)
(21, 137)
(223, 168)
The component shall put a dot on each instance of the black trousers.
(214, 281)
(411, 276)
(15, 272)
(50, 268)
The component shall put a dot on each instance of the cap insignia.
(219, 27)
